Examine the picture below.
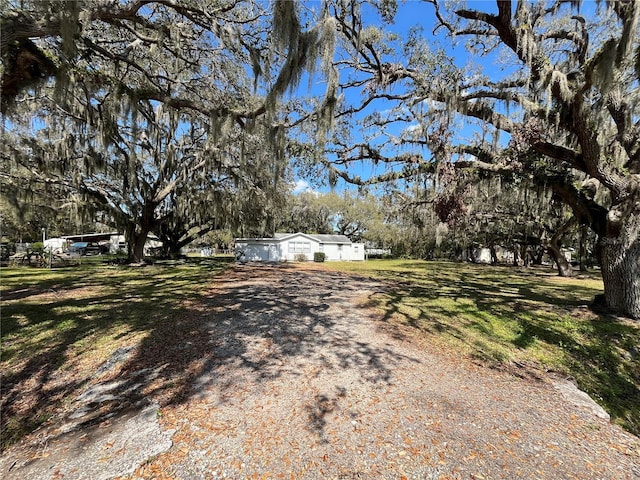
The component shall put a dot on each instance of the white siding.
(483, 255)
(344, 252)
(357, 252)
(55, 245)
(299, 245)
(260, 251)
(335, 252)
(118, 243)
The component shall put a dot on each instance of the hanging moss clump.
(25, 66)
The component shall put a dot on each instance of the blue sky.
(409, 14)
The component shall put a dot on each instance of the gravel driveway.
(278, 373)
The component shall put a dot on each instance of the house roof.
(96, 237)
(320, 238)
(90, 237)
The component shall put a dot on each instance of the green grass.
(510, 317)
(58, 325)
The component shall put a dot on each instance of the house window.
(299, 247)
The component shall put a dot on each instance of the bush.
(37, 247)
(319, 256)
(300, 257)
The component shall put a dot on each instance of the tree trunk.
(582, 249)
(174, 251)
(564, 267)
(471, 255)
(515, 257)
(537, 255)
(524, 254)
(171, 245)
(620, 263)
(138, 234)
(137, 246)
(494, 255)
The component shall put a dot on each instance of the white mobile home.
(293, 246)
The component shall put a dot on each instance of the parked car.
(87, 248)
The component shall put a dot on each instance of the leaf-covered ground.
(508, 317)
(280, 372)
(59, 326)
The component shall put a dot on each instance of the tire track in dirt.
(278, 373)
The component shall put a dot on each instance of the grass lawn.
(516, 317)
(58, 326)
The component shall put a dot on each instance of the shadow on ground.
(259, 321)
(58, 326)
(254, 320)
(497, 310)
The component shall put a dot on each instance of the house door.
(273, 253)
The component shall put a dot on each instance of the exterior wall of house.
(118, 243)
(55, 245)
(334, 252)
(299, 245)
(357, 252)
(483, 255)
(291, 247)
(259, 250)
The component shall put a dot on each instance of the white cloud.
(302, 186)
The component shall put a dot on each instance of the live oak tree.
(30, 201)
(25, 225)
(526, 218)
(561, 110)
(68, 41)
(215, 70)
(305, 212)
(411, 228)
(359, 216)
(356, 215)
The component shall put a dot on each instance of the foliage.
(166, 117)
(220, 239)
(26, 208)
(37, 247)
(359, 216)
(319, 256)
(515, 319)
(565, 99)
(305, 212)
(72, 319)
(300, 257)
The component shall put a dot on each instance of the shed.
(294, 246)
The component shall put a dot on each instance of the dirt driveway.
(281, 375)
